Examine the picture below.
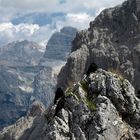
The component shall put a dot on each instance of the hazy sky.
(78, 13)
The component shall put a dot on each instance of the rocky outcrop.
(44, 86)
(111, 41)
(59, 45)
(57, 51)
(101, 106)
(25, 124)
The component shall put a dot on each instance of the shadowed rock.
(92, 68)
(58, 94)
(60, 105)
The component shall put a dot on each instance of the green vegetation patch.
(90, 104)
(117, 72)
(69, 92)
(84, 85)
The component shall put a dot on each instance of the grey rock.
(20, 53)
(26, 124)
(23, 81)
(59, 45)
(16, 92)
(101, 106)
(112, 42)
(44, 86)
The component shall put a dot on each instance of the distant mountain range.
(59, 45)
(22, 80)
(39, 18)
(103, 105)
(20, 53)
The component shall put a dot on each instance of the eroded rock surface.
(111, 41)
(101, 106)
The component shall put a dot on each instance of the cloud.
(76, 13)
(10, 32)
(15, 7)
(40, 34)
(80, 17)
(77, 20)
(23, 29)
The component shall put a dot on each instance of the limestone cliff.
(112, 41)
(101, 106)
(59, 45)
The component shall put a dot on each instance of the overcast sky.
(78, 13)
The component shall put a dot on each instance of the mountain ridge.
(108, 44)
(100, 106)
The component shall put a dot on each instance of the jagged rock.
(101, 106)
(111, 41)
(23, 80)
(44, 86)
(25, 124)
(36, 109)
(108, 110)
(59, 45)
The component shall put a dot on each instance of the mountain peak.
(103, 42)
(22, 52)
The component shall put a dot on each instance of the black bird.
(60, 105)
(58, 94)
(92, 68)
(138, 93)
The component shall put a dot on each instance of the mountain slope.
(17, 71)
(39, 18)
(57, 51)
(20, 53)
(59, 45)
(16, 90)
(23, 80)
(111, 41)
(101, 106)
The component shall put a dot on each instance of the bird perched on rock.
(60, 105)
(92, 68)
(138, 93)
(58, 94)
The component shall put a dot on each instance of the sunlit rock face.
(111, 41)
(100, 106)
(59, 45)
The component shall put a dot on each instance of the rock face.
(24, 124)
(44, 86)
(20, 53)
(16, 90)
(101, 106)
(23, 80)
(57, 51)
(59, 45)
(111, 41)
(17, 71)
